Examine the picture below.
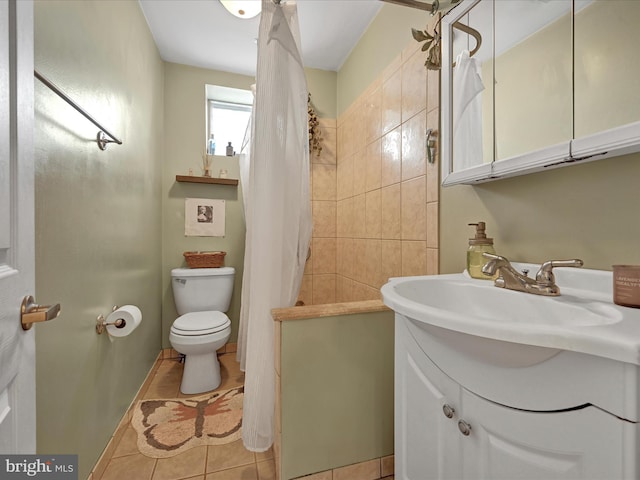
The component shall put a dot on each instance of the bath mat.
(168, 427)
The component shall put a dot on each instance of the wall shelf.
(195, 179)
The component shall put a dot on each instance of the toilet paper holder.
(101, 322)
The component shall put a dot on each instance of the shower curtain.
(277, 211)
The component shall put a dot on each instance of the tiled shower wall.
(375, 203)
(319, 281)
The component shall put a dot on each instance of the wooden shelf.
(194, 179)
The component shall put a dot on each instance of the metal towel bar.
(100, 138)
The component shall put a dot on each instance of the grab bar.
(100, 138)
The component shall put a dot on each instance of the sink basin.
(582, 319)
(453, 296)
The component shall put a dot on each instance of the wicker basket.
(204, 259)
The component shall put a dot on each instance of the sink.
(452, 296)
(582, 319)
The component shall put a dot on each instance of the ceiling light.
(242, 8)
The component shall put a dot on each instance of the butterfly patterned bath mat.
(169, 427)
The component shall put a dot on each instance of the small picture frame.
(204, 217)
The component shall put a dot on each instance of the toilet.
(201, 295)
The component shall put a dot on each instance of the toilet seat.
(200, 323)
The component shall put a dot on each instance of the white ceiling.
(203, 34)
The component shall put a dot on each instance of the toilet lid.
(200, 323)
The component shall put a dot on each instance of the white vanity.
(497, 384)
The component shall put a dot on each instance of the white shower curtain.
(277, 211)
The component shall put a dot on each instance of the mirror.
(607, 65)
(543, 90)
(473, 113)
(533, 81)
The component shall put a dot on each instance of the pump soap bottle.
(477, 246)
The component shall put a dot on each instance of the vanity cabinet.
(445, 431)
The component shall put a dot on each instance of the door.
(426, 439)
(17, 347)
(510, 444)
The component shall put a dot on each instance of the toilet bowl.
(198, 335)
(201, 295)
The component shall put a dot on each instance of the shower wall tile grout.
(386, 194)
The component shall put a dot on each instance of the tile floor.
(220, 462)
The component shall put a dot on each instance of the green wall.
(336, 391)
(183, 144)
(98, 234)
(322, 85)
(388, 34)
(585, 211)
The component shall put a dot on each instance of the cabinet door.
(606, 65)
(426, 444)
(505, 443)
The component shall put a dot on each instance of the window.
(228, 114)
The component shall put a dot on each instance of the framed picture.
(204, 217)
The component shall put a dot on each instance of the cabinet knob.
(448, 410)
(464, 428)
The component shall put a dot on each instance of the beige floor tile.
(132, 466)
(266, 470)
(230, 372)
(157, 390)
(247, 472)
(221, 457)
(169, 364)
(230, 382)
(186, 465)
(169, 372)
(128, 444)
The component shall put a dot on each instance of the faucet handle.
(545, 275)
(493, 263)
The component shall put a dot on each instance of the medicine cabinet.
(553, 84)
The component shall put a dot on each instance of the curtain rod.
(412, 4)
(100, 138)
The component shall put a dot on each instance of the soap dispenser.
(477, 246)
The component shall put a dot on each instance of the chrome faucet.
(510, 278)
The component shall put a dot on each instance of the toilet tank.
(202, 289)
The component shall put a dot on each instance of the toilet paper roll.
(124, 320)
